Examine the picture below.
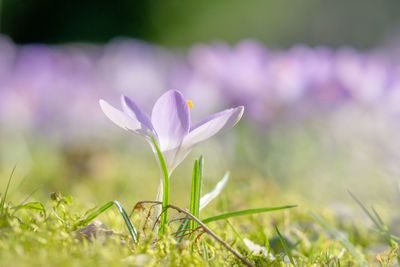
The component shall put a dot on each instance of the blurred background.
(281, 24)
(320, 81)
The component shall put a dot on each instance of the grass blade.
(199, 185)
(207, 198)
(205, 252)
(193, 193)
(342, 239)
(285, 246)
(236, 233)
(3, 199)
(125, 216)
(245, 212)
(378, 221)
(35, 206)
(196, 190)
(180, 233)
(377, 216)
(365, 210)
(204, 201)
(97, 212)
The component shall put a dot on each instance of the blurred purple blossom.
(55, 88)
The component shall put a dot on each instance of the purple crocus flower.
(170, 124)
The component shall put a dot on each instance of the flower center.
(189, 103)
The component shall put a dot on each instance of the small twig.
(198, 237)
(158, 219)
(215, 236)
(148, 216)
(205, 228)
(139, 205)
(144, 202)
(178, 219)
(183, 230)
(187, 234)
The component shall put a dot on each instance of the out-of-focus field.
(318, 122)
(305, 164)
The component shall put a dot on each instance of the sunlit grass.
(38, 227)
(34, 236)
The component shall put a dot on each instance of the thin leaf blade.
(342, 239)
(3, 199)
(245, 212)
(121, 210)
(285, 246)
(193, 195)
(35, 206)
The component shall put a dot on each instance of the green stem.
(165, 202)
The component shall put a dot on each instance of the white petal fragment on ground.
(257, 249)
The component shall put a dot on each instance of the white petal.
(171, 121)
(207, 198)
(119, 118)
(134, 112)
(213, 125)
(257, 249)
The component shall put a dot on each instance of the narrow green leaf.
(97, 212)
(182, 229)
(365, 209)
(3, 199)
(396, 238)
(205, 251)
(121, 210)
(377, 216)
(342, 239)
(196, 190)
(285, 246)
(199, 186)
(35, 206)
(383, 230)
(236, 233)
(245, 212)
(193, 193)
(204, 200)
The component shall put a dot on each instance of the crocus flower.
(170, 124)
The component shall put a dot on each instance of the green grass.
(38, 233)
(29, 238)
(38, 229)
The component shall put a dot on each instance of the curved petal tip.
(118, 117)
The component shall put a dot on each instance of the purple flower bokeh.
(53, 89)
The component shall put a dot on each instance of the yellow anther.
(190, 103)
